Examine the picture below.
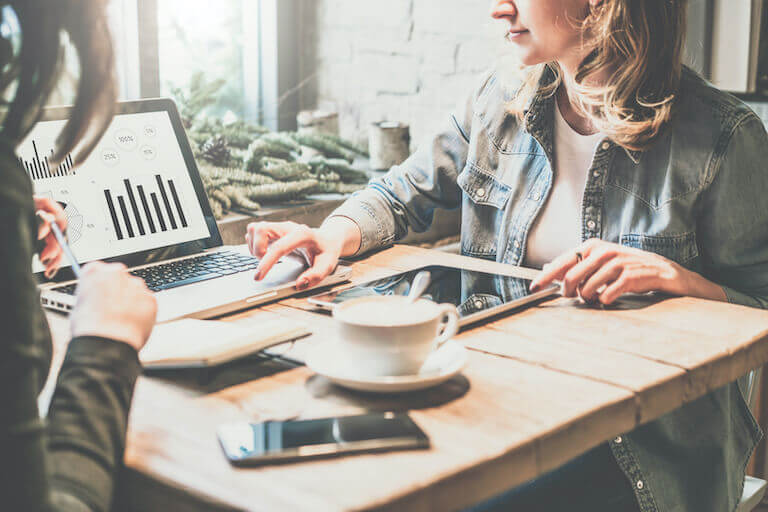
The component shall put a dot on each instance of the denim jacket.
(696, 196)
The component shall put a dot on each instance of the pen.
(47, 217)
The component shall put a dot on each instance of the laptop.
(138, 199)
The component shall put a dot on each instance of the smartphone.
(248, 444)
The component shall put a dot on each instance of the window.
(161, 44)
(197, 36)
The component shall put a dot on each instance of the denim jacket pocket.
(680, 248)
(482, 212)
(483, 188)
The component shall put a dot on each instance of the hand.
(113, 304)
(52, 254)
(604, 271)
(270, 241)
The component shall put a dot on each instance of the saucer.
(327, 360)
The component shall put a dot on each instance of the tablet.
(477, 295)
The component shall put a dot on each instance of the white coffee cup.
(387, 335)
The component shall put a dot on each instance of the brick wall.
(397, 60)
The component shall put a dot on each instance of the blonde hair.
(638, 45)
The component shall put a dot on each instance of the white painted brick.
(451, 17)
(403, 60)
(475, 55)
(389, 74)
(365, 13)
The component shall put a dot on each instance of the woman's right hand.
(113, 304)
(270, 241)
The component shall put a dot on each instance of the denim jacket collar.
(539, 115)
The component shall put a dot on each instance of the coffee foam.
(386, 311)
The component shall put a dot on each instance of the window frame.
(270, 57)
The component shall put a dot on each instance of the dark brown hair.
(33, 68)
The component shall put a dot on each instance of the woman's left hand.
(603, 271)
(52, 254)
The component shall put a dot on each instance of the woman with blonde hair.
(618, 170)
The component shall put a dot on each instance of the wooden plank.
(172, 437)
(710, 361)
(542, 386)
(658, 388)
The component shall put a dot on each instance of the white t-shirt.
(558, 227)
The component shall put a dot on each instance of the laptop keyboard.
(192, 270)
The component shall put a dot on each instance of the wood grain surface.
(541, 386)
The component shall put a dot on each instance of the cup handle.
(448, 327)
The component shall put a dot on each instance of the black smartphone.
(247, 444)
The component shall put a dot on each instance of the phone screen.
(254, 443)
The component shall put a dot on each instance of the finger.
(554, 270)
(583, 270)
(55, 263)
(615, 290)
(604, 276)
(277, 250)
(248, 239)
(54, 208)
(323, 266)
(118, 267)
(43, 229)
(51, 250)
(52, 269)
(559, 267)
(263, 233)
(140, 283)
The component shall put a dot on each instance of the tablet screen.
(471, 292)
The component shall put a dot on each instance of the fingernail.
(303, 283)
(534, 287)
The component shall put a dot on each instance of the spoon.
(419, 284)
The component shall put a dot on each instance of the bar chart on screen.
(144, 207)
(40, 168)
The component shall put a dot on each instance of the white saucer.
(326, 359)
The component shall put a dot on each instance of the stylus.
(47, 217)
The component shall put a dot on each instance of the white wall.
(399, 60)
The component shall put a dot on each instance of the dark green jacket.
(69, 460)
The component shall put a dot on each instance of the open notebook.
(190, 343)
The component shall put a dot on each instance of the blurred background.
(402, 60)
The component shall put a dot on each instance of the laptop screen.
(133, 194)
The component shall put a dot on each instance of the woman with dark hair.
(617, 170)
(70, 460)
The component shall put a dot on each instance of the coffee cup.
(388, 335)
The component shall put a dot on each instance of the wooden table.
(541, 387)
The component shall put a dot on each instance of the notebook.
(191, 343)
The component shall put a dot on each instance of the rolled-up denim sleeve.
(407, 196)
(733, 230)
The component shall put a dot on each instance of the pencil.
(47, 217)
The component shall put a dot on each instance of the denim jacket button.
(639, 484)
(596, 174)
(617, 440)
(478, 304)
(516, 243)
(480, 192)
(591, 224)
(536, 196)
(605, 145)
